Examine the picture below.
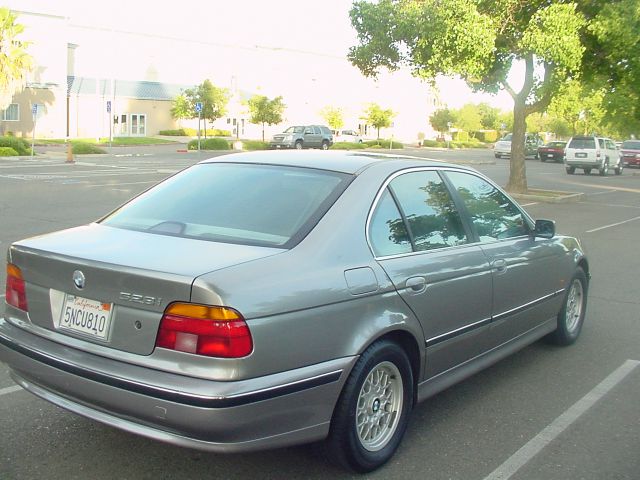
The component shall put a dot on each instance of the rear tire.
(604, 169)
(373, 410)
(587, 171)
(571, 170)
(325, 145)
(571, 315)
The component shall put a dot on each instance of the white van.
(590, 152)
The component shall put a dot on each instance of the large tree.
(611, 61)
(265, 111)
(15, 62)
(214, 101)
(468, 118)
(479, 40)
(378, 117)
(181, 108)
(333, 116)
(441, 120)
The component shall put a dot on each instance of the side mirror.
(545, 229)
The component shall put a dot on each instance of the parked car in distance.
(303, 136)
(631, 153)
(592, 153)
(502, 147)
(259, 300)
(347, 136)
(552, 151)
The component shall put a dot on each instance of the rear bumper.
(267, 412)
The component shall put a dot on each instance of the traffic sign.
(198, 107)
(108, 106)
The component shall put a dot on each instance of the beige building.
(82, 72)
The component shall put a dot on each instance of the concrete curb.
(548, 196)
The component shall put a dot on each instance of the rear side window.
(263, 205)
(583, 142)
(424, 217)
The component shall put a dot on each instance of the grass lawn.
(105, 141)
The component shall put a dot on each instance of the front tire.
(604, 169)
(372, 412)
(571, 315)
(298, 145)
(619, 168)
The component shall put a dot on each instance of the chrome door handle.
(500, 265)
(416, 284)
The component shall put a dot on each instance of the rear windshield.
(631, 144)
(507, 137)
(263, 205)
(583, 142)
(556, 144)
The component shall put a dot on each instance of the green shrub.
(209, 144)
(487, 136)
(460, 136)
(348, 146)
(192, 132)
(254, 145)
(173, 133)
(18, 144)
(382, 143)
(83, 148)
(434, 143)
(8, 152)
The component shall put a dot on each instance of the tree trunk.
(262, 131)
(517, 171)
(205, 128)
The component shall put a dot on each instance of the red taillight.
(16, 291)
(204, 330)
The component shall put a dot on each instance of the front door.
(526, 291)
(138, 124)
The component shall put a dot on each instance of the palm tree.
(15, 62)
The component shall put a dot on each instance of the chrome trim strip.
(472, 326)
(172, 395)
(458, 331)
(528, 305)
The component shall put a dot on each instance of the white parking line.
(613, 225)
(8, 390)
(560, 424)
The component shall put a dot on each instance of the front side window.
(493, 215)
(11, 113)
(261, 205)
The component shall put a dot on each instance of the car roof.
(337, 161)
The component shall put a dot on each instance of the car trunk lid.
(132, 275)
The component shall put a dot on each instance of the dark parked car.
(631, 152)
(266, 299)
(303, 136)
(552, 151)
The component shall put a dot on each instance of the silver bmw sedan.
(265, 299)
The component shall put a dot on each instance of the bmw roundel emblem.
(78, 279)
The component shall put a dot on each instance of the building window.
(11, 113)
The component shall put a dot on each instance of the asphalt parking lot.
(544, 413)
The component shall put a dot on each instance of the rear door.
(312, 136)
(418, 237)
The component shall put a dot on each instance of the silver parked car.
(265, 299)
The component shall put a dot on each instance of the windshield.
(631, 144)
(263, 205)
(294, 130)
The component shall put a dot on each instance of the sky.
(315, 36)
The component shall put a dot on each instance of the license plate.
(550, 155)
(85, 316)
(581, 155)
